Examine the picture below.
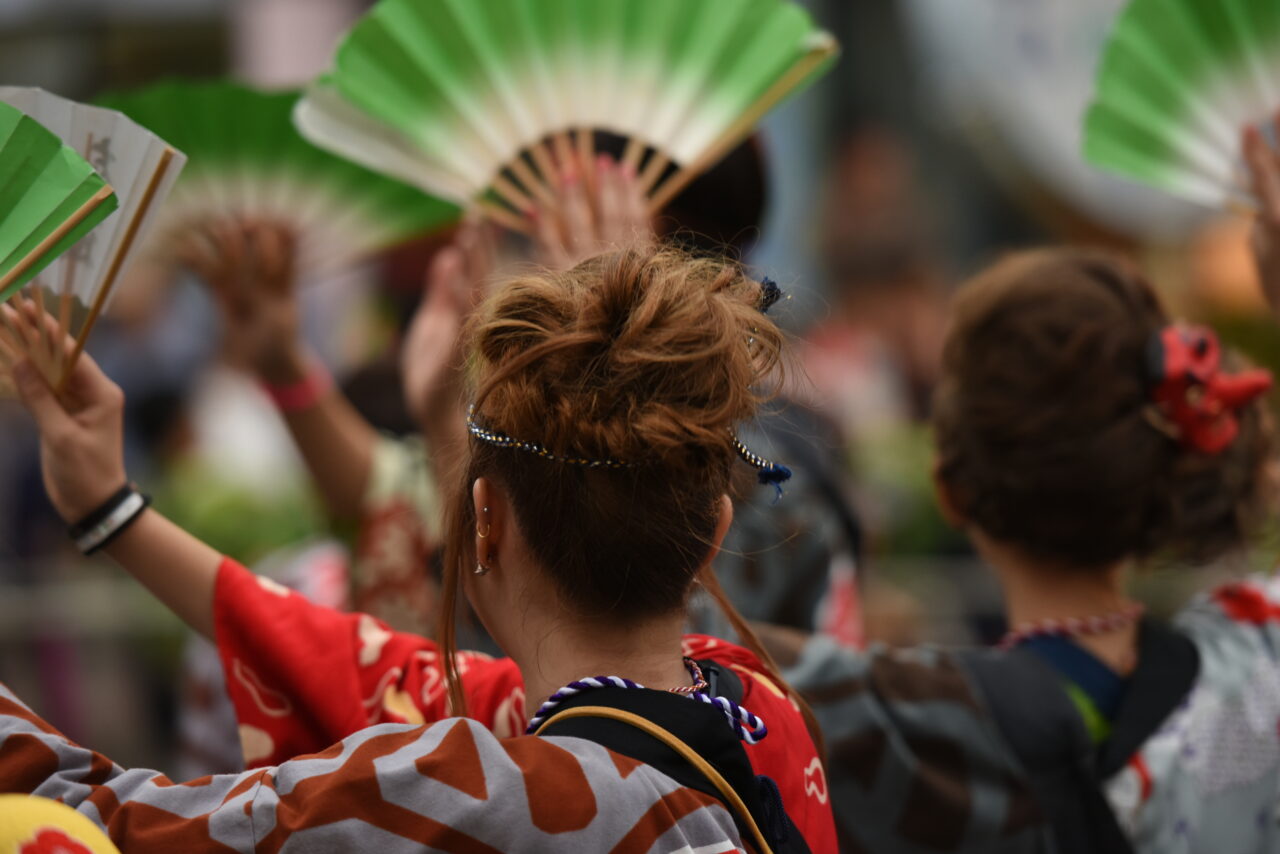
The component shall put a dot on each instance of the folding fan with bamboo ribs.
(75, 288)
(483, 101)
(1178, 82)
(50, 197)
(248, 160)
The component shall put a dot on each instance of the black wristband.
(105, 509)
(104, 524)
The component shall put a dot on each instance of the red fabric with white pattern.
(303, 677)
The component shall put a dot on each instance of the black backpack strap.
(700, 727)
(1044, 728)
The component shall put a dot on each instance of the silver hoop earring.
(480, 569)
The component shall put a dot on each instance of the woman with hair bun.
(1080, 431)
(590, 503)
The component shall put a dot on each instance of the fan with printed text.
(1179, 80)
(50, 197)
(485, 101)
(74, 288)
(247, 160)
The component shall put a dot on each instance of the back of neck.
(1037, 591)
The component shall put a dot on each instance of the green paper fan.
(1178, 82)
(77, 287)
(50, 197)
(462, 97)
(246, 159)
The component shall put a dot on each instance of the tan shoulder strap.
(670, 740)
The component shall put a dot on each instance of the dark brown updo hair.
(1045, 428)
(644, 356)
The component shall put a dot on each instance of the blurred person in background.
(776, 561)
(1081, 433)
(870, 364)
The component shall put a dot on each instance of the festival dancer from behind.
(1080, 431)
(590, 502)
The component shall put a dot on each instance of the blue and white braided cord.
(576, 687)
(748, 727)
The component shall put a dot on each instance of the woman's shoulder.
(524, 793)
(742, 662)
(1236, 630)
(1209, 773)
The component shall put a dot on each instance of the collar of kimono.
(749, 728)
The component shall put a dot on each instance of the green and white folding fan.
(1178, 82)
(142, 168)
(50, 197)
(475, 101)
(247, 159)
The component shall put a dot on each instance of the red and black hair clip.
(1188, 386)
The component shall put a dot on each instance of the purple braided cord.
(575, 688)
(748, 727)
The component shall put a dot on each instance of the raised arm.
(250, 269)
(82, 456)
(301, 676)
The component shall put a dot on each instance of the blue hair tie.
(767, 472)
(770, 293)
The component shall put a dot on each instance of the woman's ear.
(947, 502)
(490, 513)
(723, 520)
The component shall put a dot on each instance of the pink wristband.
(303, 394)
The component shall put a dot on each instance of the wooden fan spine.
(58, 234)
(532, 182)
(740, 128)
(586, 151)
(545, 162)
(503, 217)
(653, 169)
(633, 154)
(117, 263)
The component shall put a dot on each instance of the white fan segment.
(141, 167)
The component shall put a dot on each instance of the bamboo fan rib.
(483, 101)
(248, 160)
(1178, 82)
(142, 167)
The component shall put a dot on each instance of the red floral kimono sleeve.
(303, 677)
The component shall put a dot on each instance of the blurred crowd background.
(948, 133)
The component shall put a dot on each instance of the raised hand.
(250, 267)
(591, 217)
(430, 359)
(1264, 169)
(81, 429)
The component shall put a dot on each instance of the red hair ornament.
(1199, 401)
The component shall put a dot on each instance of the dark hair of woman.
(1047, 435)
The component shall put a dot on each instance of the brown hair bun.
(644, 356)
(1043, 420)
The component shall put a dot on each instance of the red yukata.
(303, 677)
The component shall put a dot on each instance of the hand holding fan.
(486, 101)
(142, 168)
(1178, 83)
(248, 162)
